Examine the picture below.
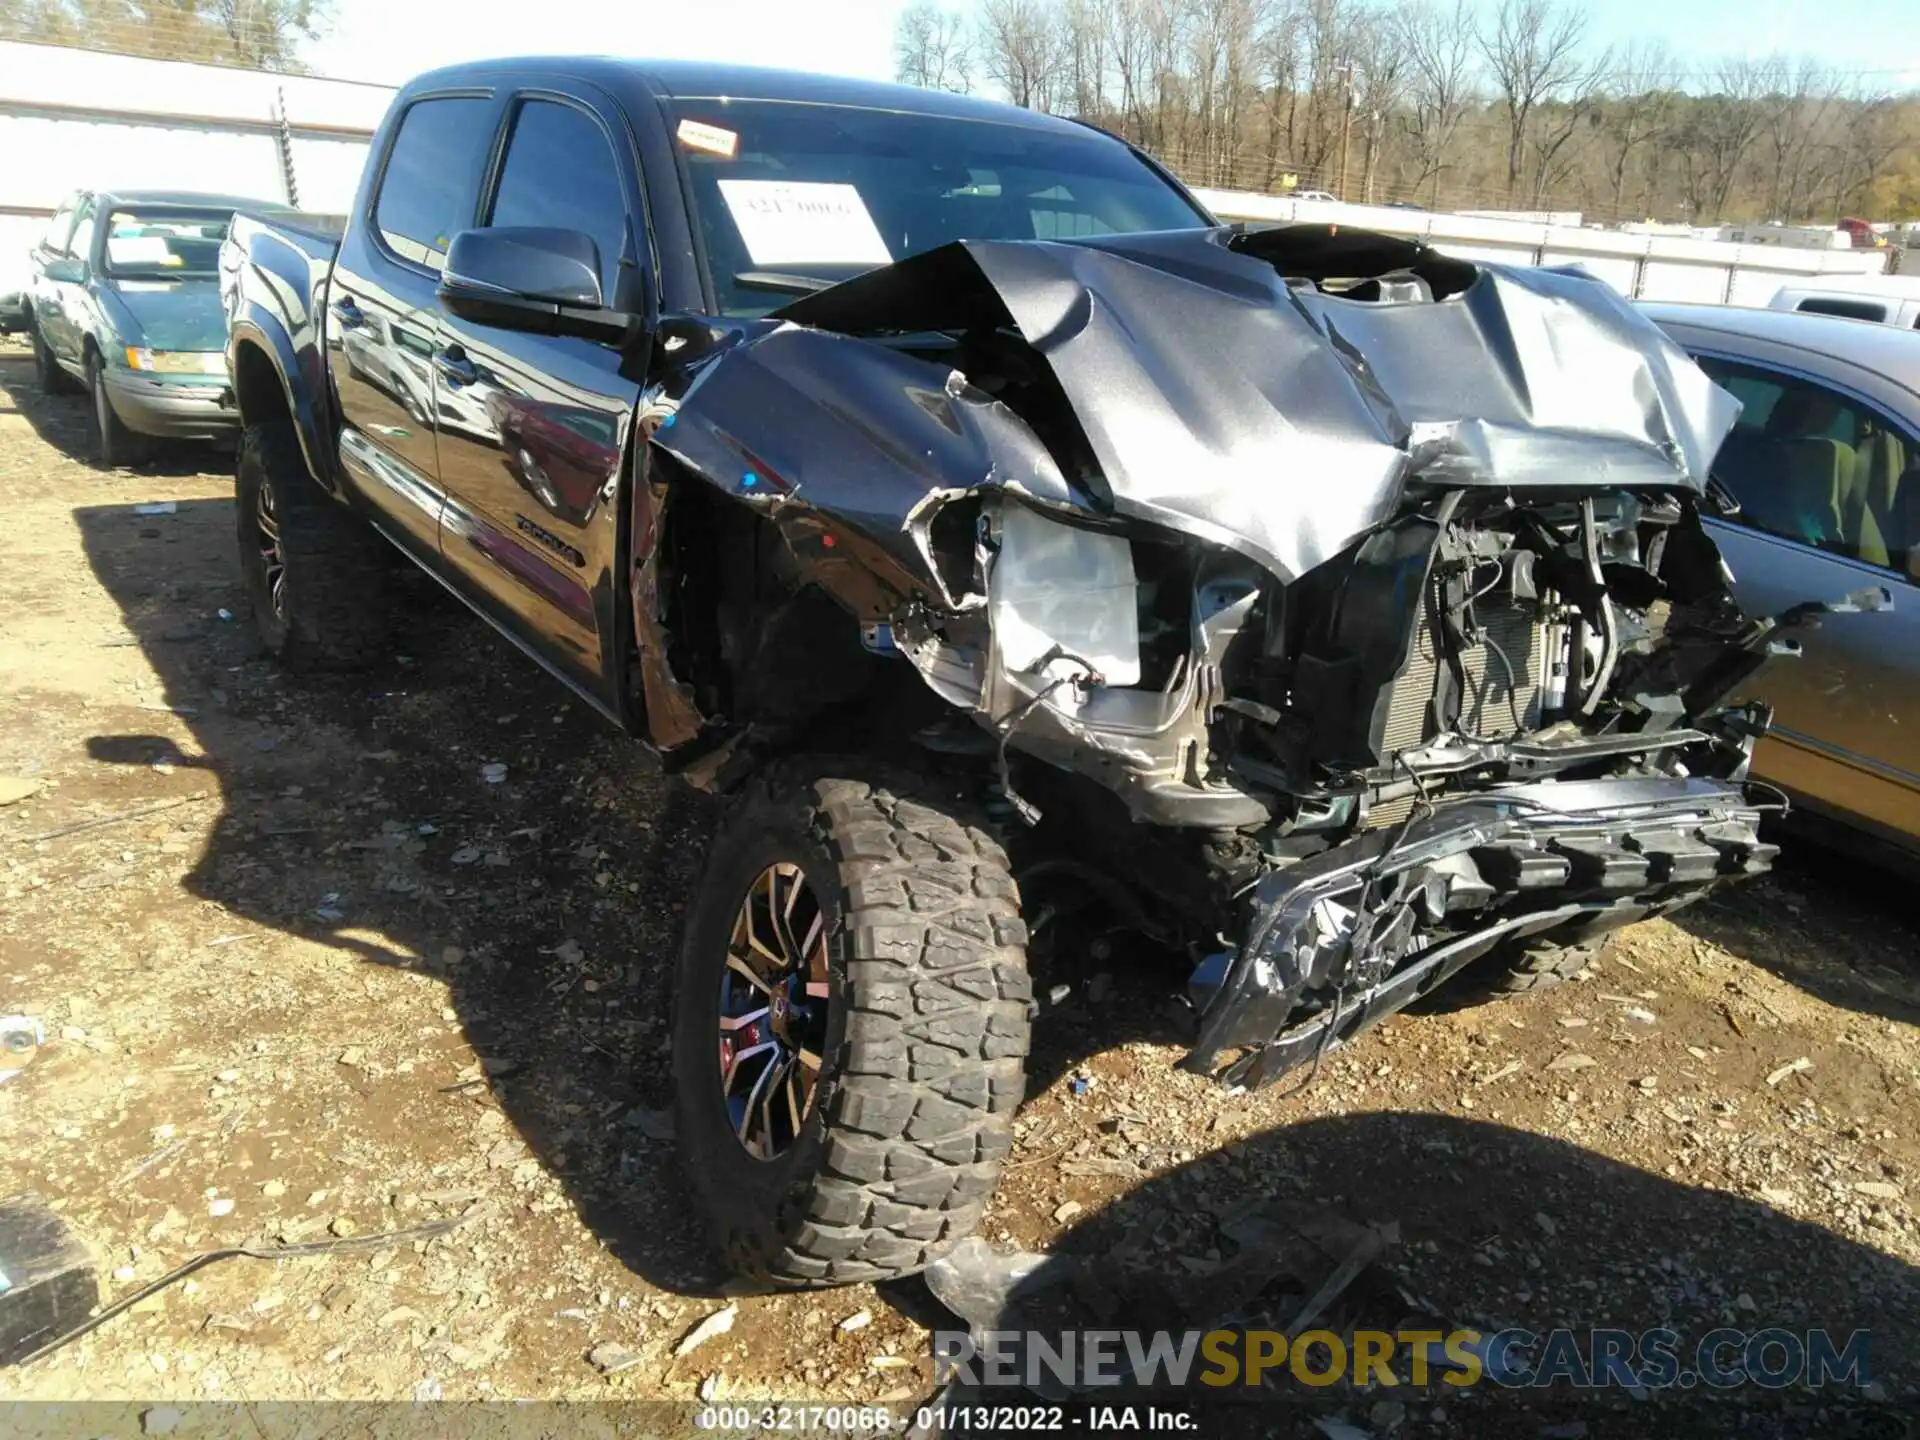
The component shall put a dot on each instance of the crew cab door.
(1820, 472)
(381, 317)
(533, 428)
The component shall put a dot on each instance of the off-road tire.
(336, 567)
(53, 380)
(117, 442)
(927, 1030)
(1523, 967)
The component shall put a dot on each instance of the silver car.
(1825, 462)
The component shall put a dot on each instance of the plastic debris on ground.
(20, 1040)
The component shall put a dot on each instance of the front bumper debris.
(1341, 941)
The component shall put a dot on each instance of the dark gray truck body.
(1342, 607)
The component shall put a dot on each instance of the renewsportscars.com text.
(1584, 1359)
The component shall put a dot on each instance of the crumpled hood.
(173, 314)
(1227, 400)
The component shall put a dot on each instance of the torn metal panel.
(797, 423)
(1283, 421)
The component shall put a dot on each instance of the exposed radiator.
(1497, 690)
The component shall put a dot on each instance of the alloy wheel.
(267, 525)
(774, 997)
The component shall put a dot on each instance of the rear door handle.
(454, 366)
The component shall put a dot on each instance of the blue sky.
(388, 40)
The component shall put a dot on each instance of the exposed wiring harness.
(1004, 728)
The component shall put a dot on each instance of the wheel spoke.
(775, 1084)
(738, 965)
(740, 1022)
(756, 1100)
(740, 1056)
(795, 1110)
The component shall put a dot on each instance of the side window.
(1845, 309)
(56, 237)
(81, 246)
(429, 175)
(1812, 465)
(560, 172)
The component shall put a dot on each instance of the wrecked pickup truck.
(940, 479)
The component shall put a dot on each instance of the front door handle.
(454, 366)
(348, 313)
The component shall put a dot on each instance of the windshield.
(784, 192)
(165, 244)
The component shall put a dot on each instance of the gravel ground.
(320, 977)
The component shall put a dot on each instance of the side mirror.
(530, 278)
(67, 270)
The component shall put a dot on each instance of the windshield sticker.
(697, 135)
(141, 250)
(802, 223)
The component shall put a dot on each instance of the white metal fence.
(72, 118)
(1644, 267)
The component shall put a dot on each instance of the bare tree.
(1440, 50)
(1276, 67)
(930, 48)
(1635, 111)
(1872, 137)
(258, 34)
(1533, 49)
(1382, 70)
(1717, 133)
(1019, 47)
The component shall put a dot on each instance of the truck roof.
(699, 79)
(186, 199)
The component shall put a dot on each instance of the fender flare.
(255, 326)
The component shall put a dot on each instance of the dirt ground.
(318, 977)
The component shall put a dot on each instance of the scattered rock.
(221, 1207)
(716, 1324)
(1572, 1060)
(160, 1420)
(1067, 1211)
(1792, 1067)
(858, 1320)
(14, 789)
(1879, 1189)
(611, 1359)
(343, 1227)
(274, 1189)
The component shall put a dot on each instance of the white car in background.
(1880, 299)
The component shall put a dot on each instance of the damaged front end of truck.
(1367, 583)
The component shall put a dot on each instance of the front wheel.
(850, 1029)
(119, 445)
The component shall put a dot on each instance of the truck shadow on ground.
(1497, 1229)
(357, 813)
